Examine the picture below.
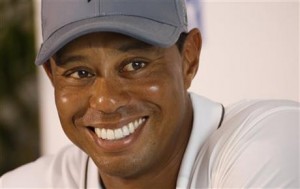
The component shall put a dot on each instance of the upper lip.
(114, 124)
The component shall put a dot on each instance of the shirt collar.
(207, 116)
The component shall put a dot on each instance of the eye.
(133, 66)
(80, 74)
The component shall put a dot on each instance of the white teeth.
(109, 134)
(136, 124)
(131, 127)
(103, 134)
(118, 134)
(125, 131)
(98, 131)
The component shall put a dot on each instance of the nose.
(108, 96)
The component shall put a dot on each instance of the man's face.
(123, 102)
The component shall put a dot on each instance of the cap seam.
(182, 22)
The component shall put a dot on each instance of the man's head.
(124, 100)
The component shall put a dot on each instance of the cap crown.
(59, 13)
(157, 22)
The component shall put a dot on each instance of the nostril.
(106, 104)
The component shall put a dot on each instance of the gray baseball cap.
(157, 22)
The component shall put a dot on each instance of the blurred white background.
(250, 51)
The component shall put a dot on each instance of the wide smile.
(116, 137)
(119, 133)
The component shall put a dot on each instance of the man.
(121, 70)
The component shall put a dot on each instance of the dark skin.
(107, 80)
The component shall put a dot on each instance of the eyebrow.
(64, 61)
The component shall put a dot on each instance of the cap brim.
(148, 31)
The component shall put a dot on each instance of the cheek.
(63, 102)
(150, 91)
(166, 88)
(69, 105)
(153, 89)
(165, 95)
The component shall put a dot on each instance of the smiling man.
(121, 70)
(113, 92)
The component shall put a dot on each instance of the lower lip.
(118, 145)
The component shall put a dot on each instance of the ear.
(48, 69)
(190, 53)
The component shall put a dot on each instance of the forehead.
(112, 41)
